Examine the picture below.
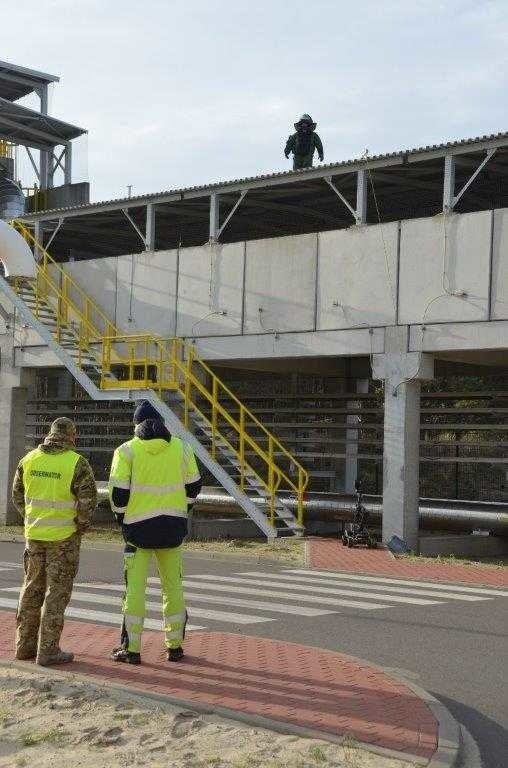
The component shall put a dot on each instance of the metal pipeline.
(445, 515)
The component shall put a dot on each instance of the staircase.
(238, 450)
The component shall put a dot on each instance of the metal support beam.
(214, 216)
(341, 197)
(448, 183)
(54, 233)
(150, 227)
(45, 173)
(361, 196)
(34, 165)
(232, 212)
(468, 183)
(68, 164)
(134, 226)
(39, 237)
(57, 161)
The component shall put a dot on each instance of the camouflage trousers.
(50, 568)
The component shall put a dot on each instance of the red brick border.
(303, 686)
(332, 555)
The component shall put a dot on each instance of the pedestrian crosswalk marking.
(235, 588)
(191, 597)
(339, 582)
(199, 613)
(228, 588)
(116, 601)
(103, 617)
(322, 590)
(403, 582)
(289, 591)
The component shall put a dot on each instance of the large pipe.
(437, 515)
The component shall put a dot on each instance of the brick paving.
(332, 555)
(309, 687)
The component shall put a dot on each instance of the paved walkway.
(303, 686)
(332, 555)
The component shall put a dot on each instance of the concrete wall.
(210, 290)
(357, 277)
(280, 280)
(500, 266)
(409, 273)
(439, 259)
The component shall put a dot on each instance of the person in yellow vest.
(154, 480)
(55, 493)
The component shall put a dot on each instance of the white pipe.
(15, 253)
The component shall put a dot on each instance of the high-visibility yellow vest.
(50, 506)
(154, 472)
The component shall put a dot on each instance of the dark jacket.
(158, 532)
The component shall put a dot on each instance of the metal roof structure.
(34, 129)
(16, 82)
(397, 185)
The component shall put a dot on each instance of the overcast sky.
(189, 92)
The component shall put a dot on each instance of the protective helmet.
(306, 119)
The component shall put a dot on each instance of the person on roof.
(304, 143)
(154, 480)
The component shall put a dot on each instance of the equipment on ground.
(356, 532)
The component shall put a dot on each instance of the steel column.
(150, 227)
(449, 183)
(45, 155)
(361, 197)
(214, 216)
(68, 164)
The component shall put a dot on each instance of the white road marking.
(200, 613)
(300, 610)
(364, 605)
(10, 565)
(317, 591)
(380, 587)
(408, 582)
(100, 616)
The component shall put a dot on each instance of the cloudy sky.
(180, 93)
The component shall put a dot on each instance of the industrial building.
(301, 329)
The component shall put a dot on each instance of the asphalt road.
(451, 642)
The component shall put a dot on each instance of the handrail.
(109, 327)
(173, 360)
(179, 357)
(250, 414)
(7, 149)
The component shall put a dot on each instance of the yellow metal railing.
(7, 149)
(37, 198)
(147, 361)
(53, 285)
(170, 364)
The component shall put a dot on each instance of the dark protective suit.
(304, 143)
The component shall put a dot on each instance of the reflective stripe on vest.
(50, 506)
(157, 486)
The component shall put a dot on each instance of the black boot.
(127, 657)
(175, 654)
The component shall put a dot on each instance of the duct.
(446, 515)
(12, 200)
(15, 254)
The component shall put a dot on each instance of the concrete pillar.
(402, 373)
(352, 439)
(15, 386)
